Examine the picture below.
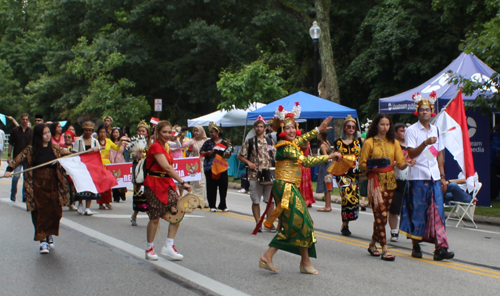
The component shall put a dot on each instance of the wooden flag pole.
(50, 162)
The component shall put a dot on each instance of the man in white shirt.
(422, 212)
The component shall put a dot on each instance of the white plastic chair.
(460, 210)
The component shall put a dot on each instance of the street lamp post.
(315, 32)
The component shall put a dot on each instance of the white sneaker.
(44, 248)
(171, 253)
(80, 209)
(72, 207)
(151, 255)
(88, 212)
(242, 190)
(50, 241)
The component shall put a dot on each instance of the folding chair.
(460, 210)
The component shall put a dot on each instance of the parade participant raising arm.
(160, 192)
(296, 233)
(46, 188)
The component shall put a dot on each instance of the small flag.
(3, 119)
(154, 120)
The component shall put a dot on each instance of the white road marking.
(193, 277)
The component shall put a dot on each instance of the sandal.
(109, 206)
(308, 270)
(101, 207)
(269, 266)
(363, 207)
(386, 256)
(324, 210)
(133, 221)
(373, 252)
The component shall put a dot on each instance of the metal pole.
(316, 56)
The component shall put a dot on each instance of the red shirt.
(158, 185)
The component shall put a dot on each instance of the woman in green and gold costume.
(296, 233)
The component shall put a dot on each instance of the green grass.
(493, 211)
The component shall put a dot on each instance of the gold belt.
(289, 171)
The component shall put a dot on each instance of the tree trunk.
(328, 88)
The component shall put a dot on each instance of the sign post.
(158, 107)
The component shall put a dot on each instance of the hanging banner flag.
(189, 169)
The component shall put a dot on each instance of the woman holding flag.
(47, 190)
(216, 150)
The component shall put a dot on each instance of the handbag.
(265, 177)
(378, 162)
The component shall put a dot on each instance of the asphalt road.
(104, 255)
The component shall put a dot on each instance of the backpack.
(139, 170)
(251, 144)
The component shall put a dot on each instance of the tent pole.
(242, 142)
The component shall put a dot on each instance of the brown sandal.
(386, 256)
(373, 252)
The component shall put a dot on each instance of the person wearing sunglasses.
(349, 144)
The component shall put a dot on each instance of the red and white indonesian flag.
(452, 124)
(88, 172)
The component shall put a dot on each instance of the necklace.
(285, 143)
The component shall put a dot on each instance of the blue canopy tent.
(312, 107)
(470, 67)
(466, 65)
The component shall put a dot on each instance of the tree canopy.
(83, 59)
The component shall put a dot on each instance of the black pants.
(118, 194)
(212, 185)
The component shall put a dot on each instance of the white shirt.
(424, 169)
(2, 141)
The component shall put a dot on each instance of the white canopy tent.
(225, 118)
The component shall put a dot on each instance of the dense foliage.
(82, 59)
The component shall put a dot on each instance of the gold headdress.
(212, 125)
(283, 118)
(88, 125)
(349, 118)
(143, 124)
(419, 101)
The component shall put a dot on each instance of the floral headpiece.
(419, 101)
(283, 117)
(143, 124)
(212, 125)
(260, 118)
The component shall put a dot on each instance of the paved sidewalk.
(336, 199)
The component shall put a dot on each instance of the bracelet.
(443, 176)
(182, 184)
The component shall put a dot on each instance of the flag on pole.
(88, 172)
(452, 124)
(3, 119)
(154, 120)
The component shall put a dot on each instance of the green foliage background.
(82, 59)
